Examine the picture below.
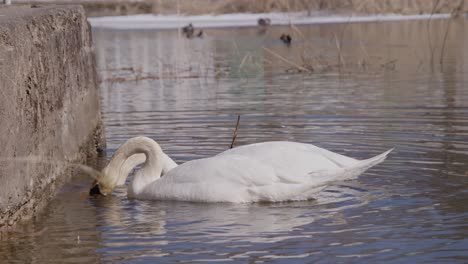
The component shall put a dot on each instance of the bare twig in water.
(339, 43)
(299, 67)
(235, 131)
(338, 48)
(389, 65)
(431, 48)
(297, 31)
(365, 54)
(247, 56)
(442, 51)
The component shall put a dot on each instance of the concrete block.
(49, 104)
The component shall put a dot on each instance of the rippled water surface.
(374, 86)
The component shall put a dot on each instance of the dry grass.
(444, 41)
(125, 7)
(233, 6)
(455, 9)
(290, 62)
(346, 61)
(136, 75)
(262, 6)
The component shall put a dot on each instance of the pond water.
(373, 86)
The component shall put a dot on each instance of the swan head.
(114, 175)
(132, 153)
(98, 189)
(95, 189)
(103, 184)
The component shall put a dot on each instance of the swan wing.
(277, 150)
(315, 181)
(294, 162)
(233, 169)
(231, 178)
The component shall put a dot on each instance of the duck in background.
(286, 38)
(189, 32)
(263, 24)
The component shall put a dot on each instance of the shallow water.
(187, 93)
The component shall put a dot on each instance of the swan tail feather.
(349, 172)
(361, 166)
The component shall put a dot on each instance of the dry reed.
(428, 28)
(299, 67)
(265, 6)
(234, 136)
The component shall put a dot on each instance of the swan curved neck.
(122, 164)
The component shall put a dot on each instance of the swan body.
(269, 171)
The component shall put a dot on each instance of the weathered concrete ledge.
(49, 104)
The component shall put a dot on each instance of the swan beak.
(95, 190)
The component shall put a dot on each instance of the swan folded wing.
(293, 161)
(216, 179)
(277, 151)
(338, 159)
(314, 182)
(223, 169)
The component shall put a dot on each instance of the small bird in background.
(200, 34)
(263, 22)
(189, 32)
(286, 38)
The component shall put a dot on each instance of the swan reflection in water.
(264, 172)
(153, 223)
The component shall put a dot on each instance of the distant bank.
(197, 7)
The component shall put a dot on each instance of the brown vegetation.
(265, 6)
(196, 7)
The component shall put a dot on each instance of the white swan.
(270, 171)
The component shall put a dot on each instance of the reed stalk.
(234, 136)
(428, 28)
(442, 51)
(299, 67)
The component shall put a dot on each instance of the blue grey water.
(373, 86)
